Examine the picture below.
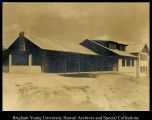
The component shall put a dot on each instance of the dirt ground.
(85, 91)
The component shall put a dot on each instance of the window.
(143, 57)
(146, 57)
(21, 47)
(143, 69)
(121, 48)
(123, 62)
(112, 46)
(140, 69)
(146, 69)
(132, 62)
(140, 56)
(22, 44)
(128, 62)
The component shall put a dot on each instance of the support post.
(30, 59)
(10, 60)
(119, 65)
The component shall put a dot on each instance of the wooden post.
(30, 59)
(10, 60)
(119, 66)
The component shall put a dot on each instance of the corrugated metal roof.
(57, 45)
(121, 53)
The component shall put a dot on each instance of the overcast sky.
(76, 21)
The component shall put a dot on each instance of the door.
(115, 66)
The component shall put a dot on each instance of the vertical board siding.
(59, 61)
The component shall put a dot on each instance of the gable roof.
(136, 48)
(108, 40)
(118, 52)
(57, 45)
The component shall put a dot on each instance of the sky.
(74, 22)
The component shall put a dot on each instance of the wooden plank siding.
(55, 61)
(59, 61)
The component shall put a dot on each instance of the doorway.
(115, 66)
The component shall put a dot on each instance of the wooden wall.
(53, 61)
(59, 61)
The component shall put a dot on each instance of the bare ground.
(85, 91)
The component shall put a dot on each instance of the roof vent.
(21, 34)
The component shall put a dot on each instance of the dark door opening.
(20, 59)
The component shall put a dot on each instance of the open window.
(21, 45)
(123, 62)
(128, 62)
(112, 46)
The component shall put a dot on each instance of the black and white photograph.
(76, 56)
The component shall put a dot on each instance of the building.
(32, 54)
(142, 52)
(124, 61)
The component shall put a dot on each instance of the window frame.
(124, 61)
(112, 46)
(140, 69)
(133, 62)
(128, 62)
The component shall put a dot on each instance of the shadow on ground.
(86, 75)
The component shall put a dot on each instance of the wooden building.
(142, 52)
(123, 61)
(33, 54)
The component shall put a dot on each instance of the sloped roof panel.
(135, 48)
(57, 45)
(118, 52)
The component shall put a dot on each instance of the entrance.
(20, 59)
(115, 66)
